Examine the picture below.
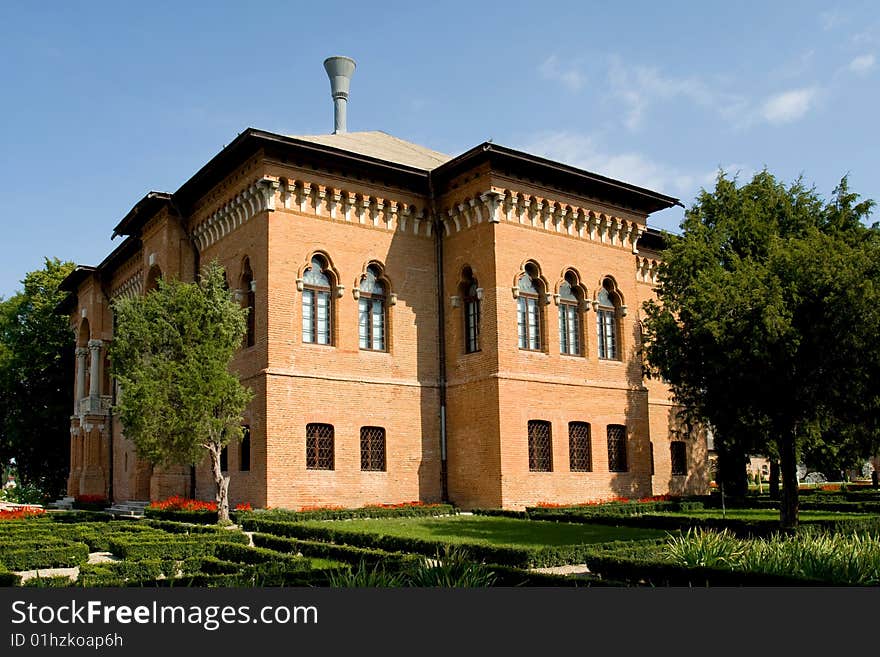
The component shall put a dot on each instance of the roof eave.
(637, 197)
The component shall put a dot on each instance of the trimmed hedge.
(56, 556)
(8, 579)
(346, 553)
(196, 517)
(740, 527)
(285, 515)
(617, 509)
(172, 547)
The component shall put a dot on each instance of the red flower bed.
(178, 503)
(245, 506)
(399, 505)
(21, 513)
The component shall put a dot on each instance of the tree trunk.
(788, 508)
(774, 479)
(222, 482)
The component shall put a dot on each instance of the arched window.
(570, 316)
(528, 310)
(371, 310)
(471, 303)
(250, 300)
(153, 277)
(607, 327)
(244, 462)
(317, 302)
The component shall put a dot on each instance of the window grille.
(373, 448)
(540, 446)
(319, 446)
(580, 457)
(617, 461)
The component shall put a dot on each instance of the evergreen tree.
(767, 320)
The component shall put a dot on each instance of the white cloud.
(788, 106)
(640, 87)
(862, 64)
(831, 19)
(570, 77)
(585, 152)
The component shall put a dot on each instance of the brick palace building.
(422, 327)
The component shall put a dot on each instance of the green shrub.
(55, 556)
(8, 579)
(198, 517)
(320, 549)
(451, 568)
(286, 515)
(48, 582)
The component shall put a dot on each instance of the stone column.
(95, 373)
(81, 353)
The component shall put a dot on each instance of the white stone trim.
(255, 198)
(497, 205)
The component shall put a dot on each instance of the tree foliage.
(170, 354)
(767, 321)
(36, 380)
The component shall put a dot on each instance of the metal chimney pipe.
(340, 70)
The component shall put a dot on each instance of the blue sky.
(102, 102)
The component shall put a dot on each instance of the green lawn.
(491, 530)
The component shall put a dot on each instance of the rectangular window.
(373, 448)
(569, 330)
(540, 446)
(607, 334)
(244, 463)
(224, 459)
(579, 452)
(319, 446)
(472, 325)
(617, 461)
(678, 456)
(316, 316)
(371, 324)
(528, 323)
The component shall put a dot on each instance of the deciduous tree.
(171, 352)
(36, 380)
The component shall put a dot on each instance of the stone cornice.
(253, 199)
(497, 205)
(646, 269)
(131, 286)
(338, 204)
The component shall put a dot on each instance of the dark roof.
(320, 153)
(141, 213)
(562, 175)
(73, 280)
(653, 239)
